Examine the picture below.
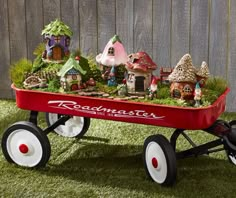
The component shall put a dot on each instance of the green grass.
(107, 162)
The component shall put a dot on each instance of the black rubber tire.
(37, 132)
(83, 131)
(170, 158)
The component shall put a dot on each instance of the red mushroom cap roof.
(140, 61)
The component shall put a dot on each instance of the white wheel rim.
(156, 162)
(72, 128)
(232, 158)
(24, 148)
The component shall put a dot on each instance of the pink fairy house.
(57, 37)
(113, 55)
(139, 76)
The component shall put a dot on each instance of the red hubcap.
(23, 148)
(154, 162)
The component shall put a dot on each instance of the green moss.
(217, 84)
(18, 71)
(38, 64)
(103, 87)
(54, 85)
(163, 91)
(120, 73)
(95, 72)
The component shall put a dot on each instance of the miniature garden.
(113, 74)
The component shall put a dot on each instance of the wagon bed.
(125, 111)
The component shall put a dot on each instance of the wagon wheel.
(160, 160)
(74, 127)
(230, 153)
(25, 144)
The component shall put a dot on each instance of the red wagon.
(25, 144)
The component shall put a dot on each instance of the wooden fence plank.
(106, 22)
(17, 29)
(218, 38)
(125, 23)
(34, 21)
(88, 27)
(143, 26)
(70, 16)
(5, 90)
(231, 100)
(199, 31)
(180, 30)
(161, 33)
(51, 10)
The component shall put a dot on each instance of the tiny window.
(67, 42)
(187, 89)
(111, 51)
(57, 39)
(74, 77)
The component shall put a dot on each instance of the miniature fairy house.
(57, 37)
(140, 67)
(203, 74)
(70, 75)
(183, 79)
(113, 55)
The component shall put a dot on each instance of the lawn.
(107, 162)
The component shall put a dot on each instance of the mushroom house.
(139, 76)
(185, 77)
(113, 55)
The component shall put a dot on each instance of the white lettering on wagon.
(100, 110)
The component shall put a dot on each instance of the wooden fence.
(165, 29)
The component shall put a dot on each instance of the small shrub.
(18, 71)
(39, 49)
(54, 85)
(163, 92)
(216, 84)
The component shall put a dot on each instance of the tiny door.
(74, 87)
(56, 53)
(139, 83)
(176, 93)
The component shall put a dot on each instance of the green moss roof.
(57, 28)
(70, 64)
